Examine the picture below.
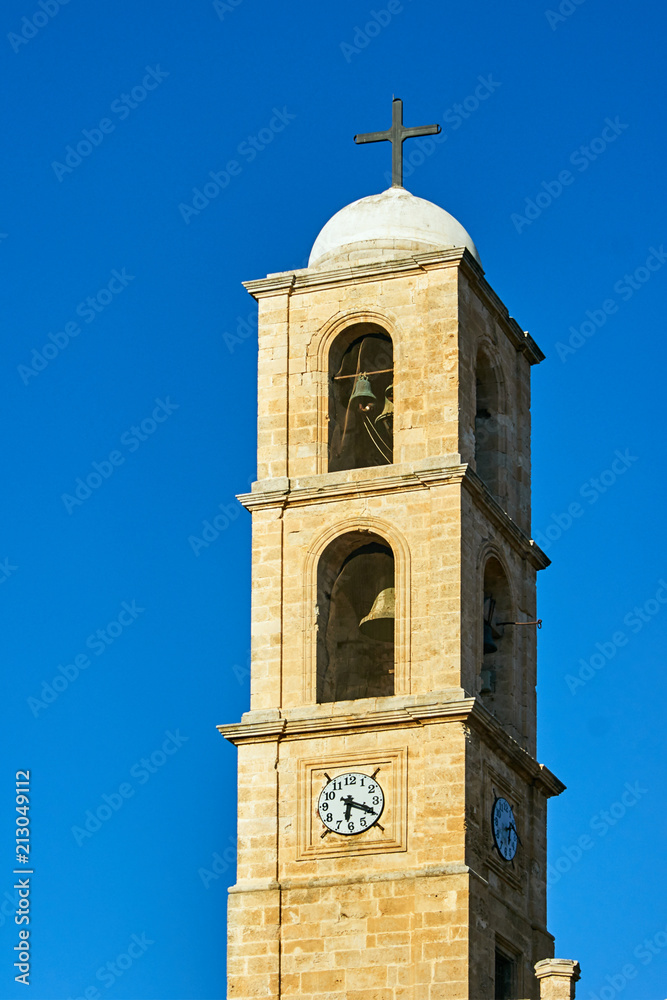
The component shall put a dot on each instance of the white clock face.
(504, 829)
(350, 803)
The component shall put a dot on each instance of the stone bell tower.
(392, 813)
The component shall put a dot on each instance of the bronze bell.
(489, 644)
(362, 392)
(379, 622)
(388, 411)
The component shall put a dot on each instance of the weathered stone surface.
(416, 910)
(557, 978)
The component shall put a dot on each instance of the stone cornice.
(308, 279)
(274, 284)
(501, 519)
(330, 488)
(513, 754)
(328, 881)
(326, 489)
(468, 711)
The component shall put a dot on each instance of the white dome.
(384, 226)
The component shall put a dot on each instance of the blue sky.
(129, 353)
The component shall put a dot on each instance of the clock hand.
(350, 803)
(360, 805)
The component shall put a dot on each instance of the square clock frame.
(388, 834)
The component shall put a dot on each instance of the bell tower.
(392, 813)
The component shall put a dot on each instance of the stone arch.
(319, 355)
(337, 544)
(490, 430)
(497, 683)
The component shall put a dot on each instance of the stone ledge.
(306, 279)
(329, 881)
(387, 479)
(468, 711)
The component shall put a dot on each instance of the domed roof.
(384, 226)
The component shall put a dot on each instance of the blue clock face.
(504, 829)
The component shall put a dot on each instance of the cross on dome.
(397, 135)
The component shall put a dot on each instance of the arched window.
(355, 618)
(487, 427)
(496, 683)
(361, 407)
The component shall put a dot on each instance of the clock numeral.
(355, 810)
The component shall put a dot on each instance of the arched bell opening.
(355, 618)
(487, 423)
(361, 399)
(496, 685)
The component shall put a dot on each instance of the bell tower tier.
(392, 814)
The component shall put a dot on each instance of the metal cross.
(397, 135)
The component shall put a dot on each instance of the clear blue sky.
(167, 346)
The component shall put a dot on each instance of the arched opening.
(361, 399)
(355, 618)
(487, 426)
(496, 680)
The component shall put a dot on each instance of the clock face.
(504, 829)
(350, 803)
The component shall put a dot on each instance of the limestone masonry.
(434, 899)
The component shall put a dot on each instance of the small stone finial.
(558, 978)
